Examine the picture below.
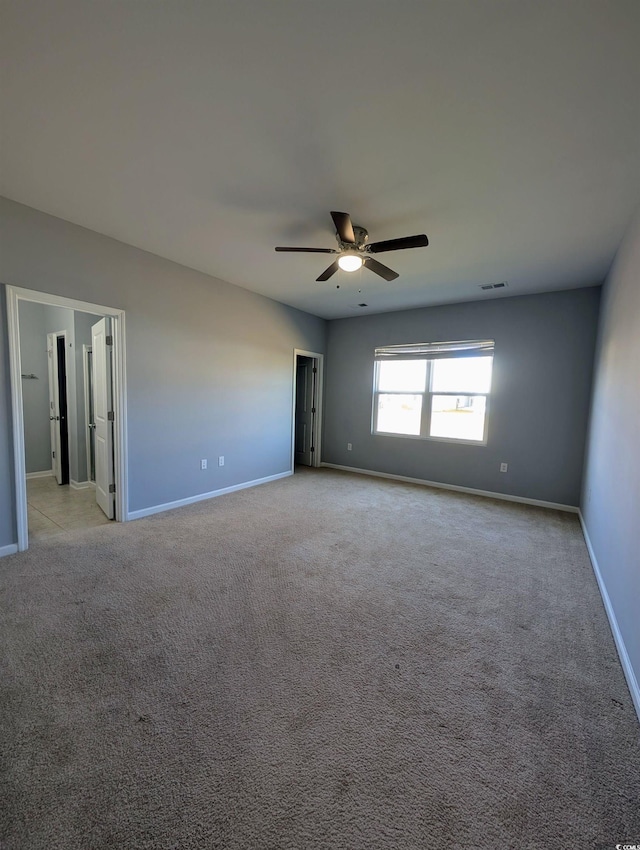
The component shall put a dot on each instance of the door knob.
(51, 418)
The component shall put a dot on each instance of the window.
(433, 390)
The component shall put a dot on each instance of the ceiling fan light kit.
(354, 249)
(350, 261)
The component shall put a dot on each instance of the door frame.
(16, 294)
(316, 433)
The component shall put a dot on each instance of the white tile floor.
(54, 508)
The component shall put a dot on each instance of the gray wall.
(611, 496)
(35, 393)
(539, 403)
(209, 365)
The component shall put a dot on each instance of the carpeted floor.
(327, 661)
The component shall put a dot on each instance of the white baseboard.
(201, 497)
(488, 493)
(81, 485)
(44, 474)
(8, 550)
(625, 661)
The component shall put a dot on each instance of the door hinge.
(53, 454)
(112, 488)
(109, 340)
(110, 416)
(312, 449)
(313, 410)
(315, 369)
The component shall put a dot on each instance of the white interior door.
(54, 406)
(89, 423)
(305, 411)
(101, 346)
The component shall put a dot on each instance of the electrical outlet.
(504, 467)
(203, 463)
(349, 447)
(221, 460)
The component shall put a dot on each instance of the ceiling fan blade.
(308, 250)
(327, 273)
(344, 227)
(419, 241)
(378, 268)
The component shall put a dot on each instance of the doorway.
(65, 458)
(307, 413)
(58, 404)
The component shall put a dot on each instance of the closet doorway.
(307, 408)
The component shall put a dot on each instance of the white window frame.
(427, 395)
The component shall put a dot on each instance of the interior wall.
(35, 392)
(539, 403)
(611, 493)
(209, 365)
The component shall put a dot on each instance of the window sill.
(430, 439)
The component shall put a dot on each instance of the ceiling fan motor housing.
(361, 236)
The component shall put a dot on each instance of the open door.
(305, 410)
(101, 347)
(89, 419)
(56, 357)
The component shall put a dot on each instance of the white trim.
(623, 655)
(317, 401)
(201, 497)
(80, 485)
(61, 301)
(46, 473)
(14, 295)
(8, 550)
(119, 377)
(17, 419)
(472, 491)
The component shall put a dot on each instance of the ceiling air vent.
(502, 285)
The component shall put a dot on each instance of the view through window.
(442, 396)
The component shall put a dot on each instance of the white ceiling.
(209, 132)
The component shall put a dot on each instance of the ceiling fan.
(355, 249)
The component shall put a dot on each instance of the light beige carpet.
(327, 661)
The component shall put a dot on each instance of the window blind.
(436, 350)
